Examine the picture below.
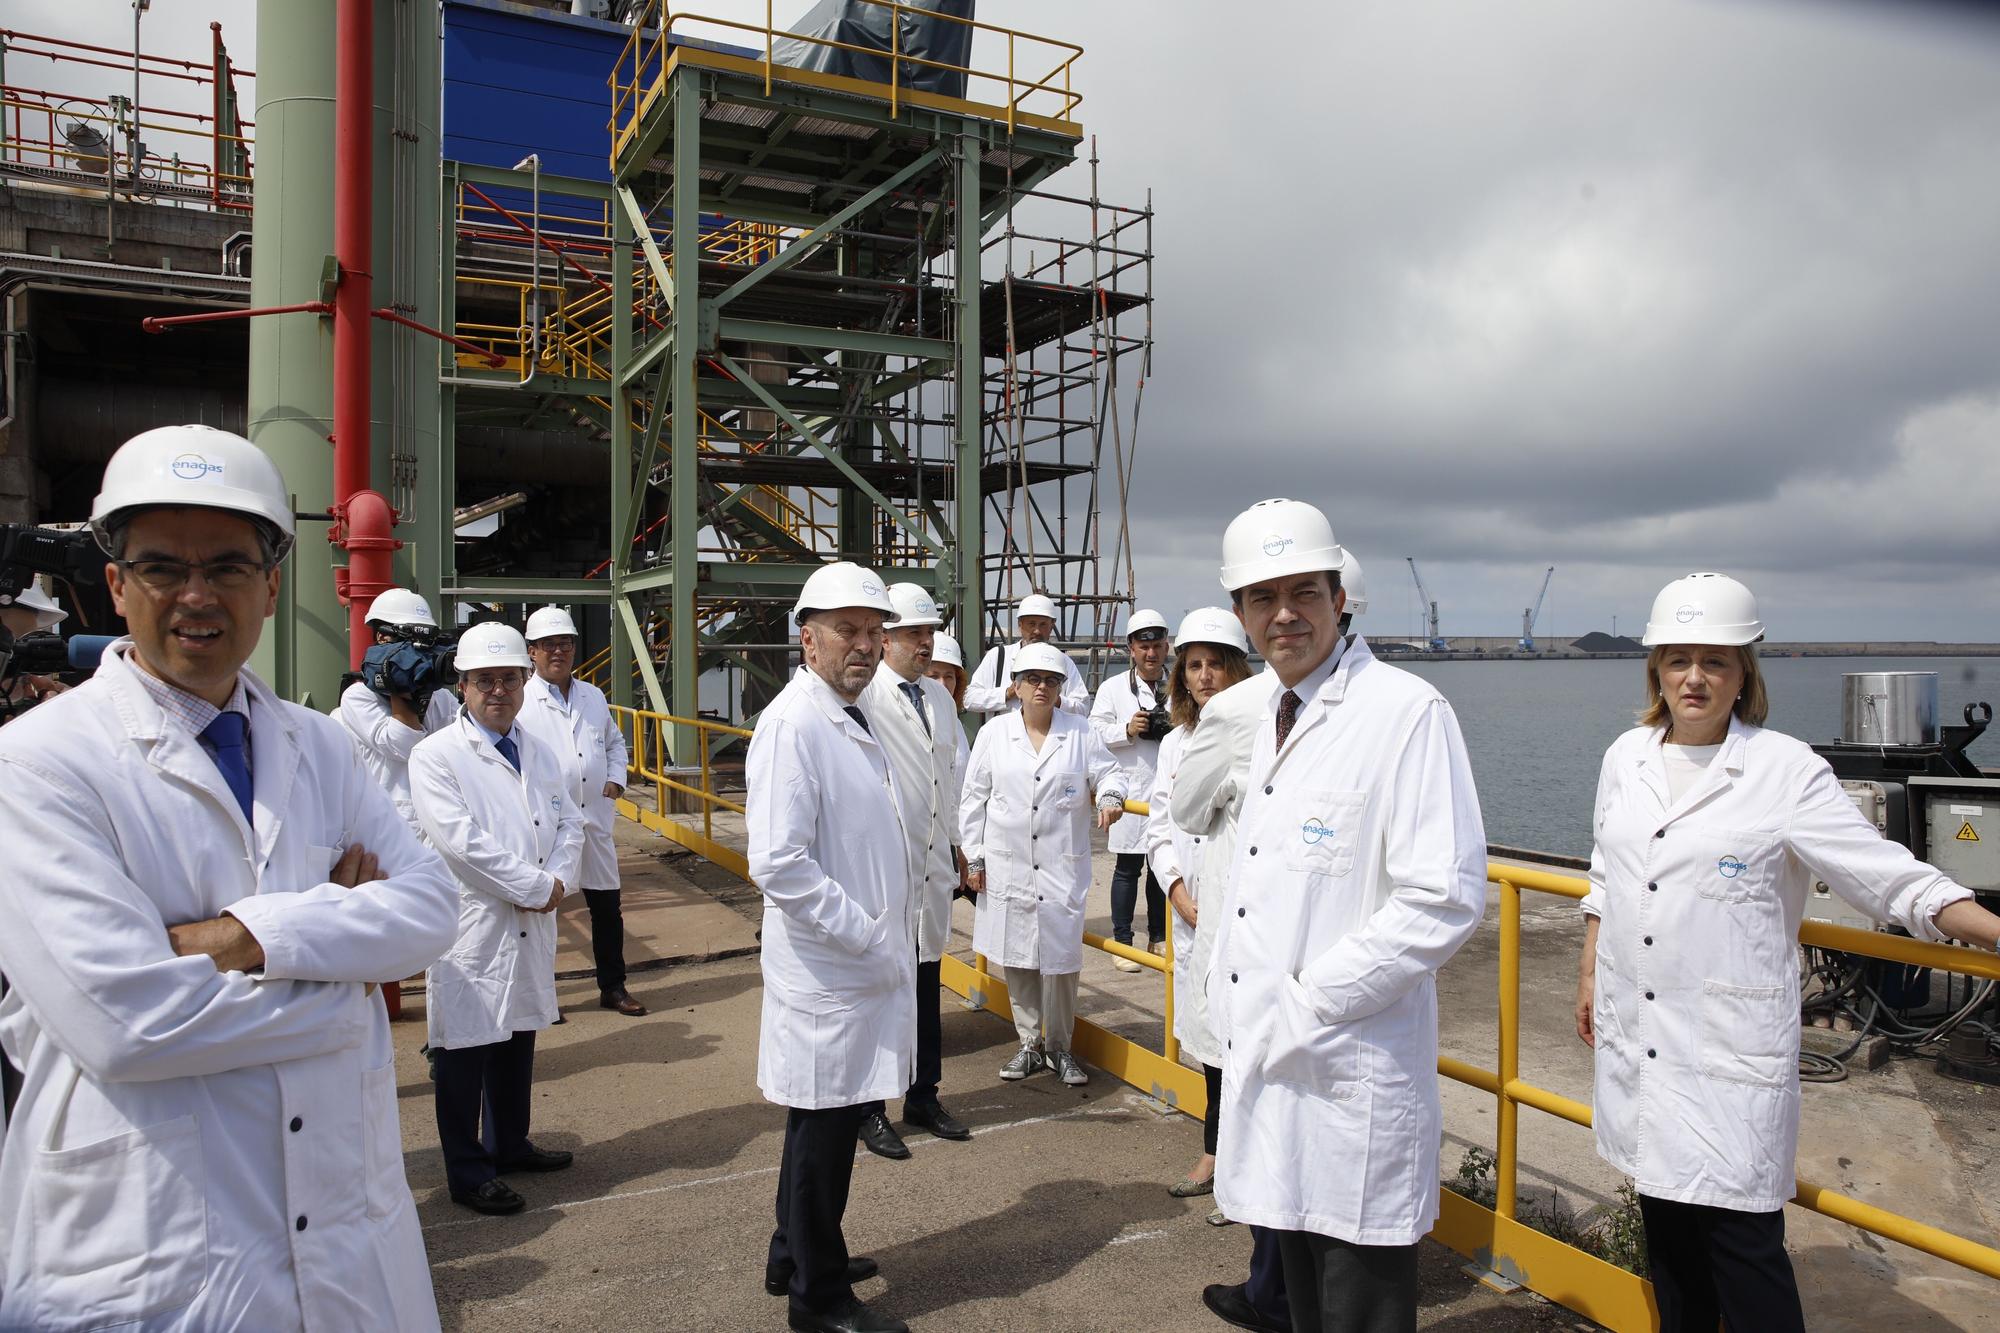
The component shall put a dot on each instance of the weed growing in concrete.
(1614, 1233)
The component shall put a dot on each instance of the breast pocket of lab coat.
(121, 1225)
(1327, 832)
(1733, 865)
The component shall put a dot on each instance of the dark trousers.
(930, 1038)
(1125, 897)
(607, 937)
(1715, 1265)
(1336, 1286)
(482, 1097)
(1211, 1121)
(1266, 1288)
(813, 1177)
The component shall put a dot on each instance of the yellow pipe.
(1171, 1047)
(1117, 950)
(1903, 1230)
(1555, 1104)
(1510, 1047)
(1471, 1075)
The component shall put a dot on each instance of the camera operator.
(387, 724)
(32, 612)
(1130, 717)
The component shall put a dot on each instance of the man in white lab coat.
(913, 718)
(1130, 717)
(991, 689)
(575, 718)
(829, 851)
(386, 727)
(207, 1135)
(494, 799)
(1360, 868)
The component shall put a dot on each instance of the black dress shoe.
(936, 1119)
(493, 1197)
(622, 1001)
(777, 1277)
(881, 1138)
(536, 1160)
(850, 1316)
(1231, 1306)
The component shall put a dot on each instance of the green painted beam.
(483, 588)
(968, 553)
(839, 340)
(474, 173)
(684, 96)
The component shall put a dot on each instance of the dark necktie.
(509, 751)
(1288, 713)
(860, 717)
(916, 693)
(225, 737)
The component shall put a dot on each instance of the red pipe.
(167, 323)
(493, 359)
(353, 240)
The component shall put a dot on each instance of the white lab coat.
(1360, 869)
(195, 1149)
(828, 850)
(593, 751)
(1117, 700)
(928, 767)
(991, 687)
(508, 837)
(1029, 817)
(384, 744)
(1697, 993)
(1201, 863)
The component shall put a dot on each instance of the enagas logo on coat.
(1729, 867)
(1313, 830)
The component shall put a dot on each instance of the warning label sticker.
(1967, 833)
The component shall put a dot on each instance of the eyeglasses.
(1042, 682)
(495, 684)
(172, 575)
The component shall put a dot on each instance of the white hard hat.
(1274, 539)
(915, 607)
(196, 467)
(1704, 608)
(400, 606)
(1212, 624)
(1034, 604)
(1353, 584)
(843, 583)
(47, 614)
(549, 622)
(1041, 657)
(491, 644)
(945, 649)
(1144, 620)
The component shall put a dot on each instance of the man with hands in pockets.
(1360, 868)
(829, 850)
(207, 1135)
(494, 799)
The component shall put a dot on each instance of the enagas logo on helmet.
(870, 588)
(1688, 614)
(1277, 544)
(496, 646)
(193, 467)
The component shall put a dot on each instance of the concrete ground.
(1056, 1215)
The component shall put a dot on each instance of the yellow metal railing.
(658, 30)
(647, 756)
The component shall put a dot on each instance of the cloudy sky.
(1630, 289)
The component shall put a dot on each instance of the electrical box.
(1960, 819)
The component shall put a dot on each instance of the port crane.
(1433, 641)
(1531, 614)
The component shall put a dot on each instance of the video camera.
(417, 667)
(72, 557)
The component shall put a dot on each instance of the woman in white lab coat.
(1212, 653)
(1025, 816)
(1710, 831)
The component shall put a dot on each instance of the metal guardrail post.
(1510, 1048)
(1171, 1046)
(707, 785)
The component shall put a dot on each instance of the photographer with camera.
(404, 692)
(31, 612)
(1130, 717)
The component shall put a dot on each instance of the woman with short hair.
(1710, 831)
(1025, 817)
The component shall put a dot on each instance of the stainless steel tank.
(1889, 708)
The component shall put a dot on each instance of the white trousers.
(1043, 1001)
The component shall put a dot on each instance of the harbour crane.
(1433, 641)
(1531, 614)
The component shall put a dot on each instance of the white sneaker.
(1125, 964)
(1025, 1062)
(1068, 1069)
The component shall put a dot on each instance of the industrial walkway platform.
(1056, 1215)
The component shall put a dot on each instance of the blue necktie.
(225, 737)
(860, 717)
(916, 693)
(509, 751)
